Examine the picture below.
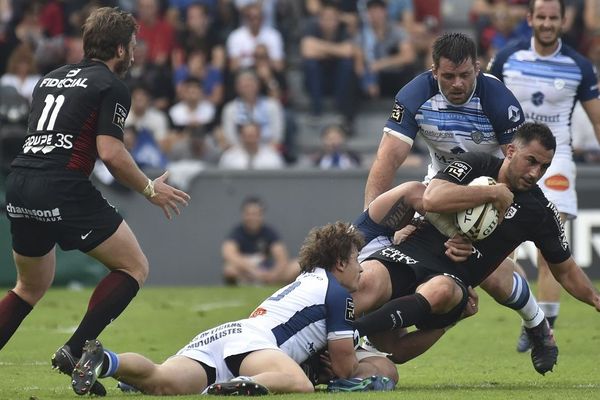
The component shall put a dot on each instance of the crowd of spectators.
(210, 79)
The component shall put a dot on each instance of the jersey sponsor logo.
(397, 256)
(531, 116)
(217, 333)
(458, 170)
(537, 99)
(73, 72)
(47, 142)
(557, 182)
(514, 113)
(559, 84)
(477, 137)
(28, 213)
(349, 315)
(83, 237)
(397, 112)
(511, 212)
(564, 243)
(64, 83)
(258, 312)
(120, 116)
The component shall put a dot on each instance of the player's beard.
(123, 65)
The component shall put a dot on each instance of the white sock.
(550, 309)
(523, 302)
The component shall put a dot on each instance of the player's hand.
(401, 235)
(472, 305)
(167, 197)
(504, 198)
(458, 248)
(325, 368)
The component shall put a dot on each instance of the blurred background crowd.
(264, 84)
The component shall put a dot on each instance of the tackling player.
(312, 313)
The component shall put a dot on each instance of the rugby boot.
(372, 383)
(240, 386)
(88, 367)
(523, 344)
(544, 352)
(63, 361)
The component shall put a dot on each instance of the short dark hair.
(326, 245)
(253, 200)
(376, 3)
(105, 30)
(561, 2)
(530, 131)
(456, 47)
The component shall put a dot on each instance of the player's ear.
(510, 151)
(120, 51)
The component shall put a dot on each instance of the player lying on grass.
(314, 312)
(426, 276)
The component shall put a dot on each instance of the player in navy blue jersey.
(77, 115)
(548, 77)
(429, 289)
(456, 109)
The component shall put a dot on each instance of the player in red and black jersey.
(429, 285)
(77, 115)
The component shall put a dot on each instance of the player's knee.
(301, 384)
(31, 292)
(442, 293)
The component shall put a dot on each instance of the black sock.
(398, 313)
(552, 320)
(13, 311)
(109, 299)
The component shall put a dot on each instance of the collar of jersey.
(538, 55)
(458, 105)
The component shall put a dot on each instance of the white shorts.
(214, 345)
(366, 349)
(558, 184)
(380, 242)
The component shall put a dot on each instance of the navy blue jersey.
(486, 121)
(254, 243)
(71, 106)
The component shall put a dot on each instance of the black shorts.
(407, 275)
(56, 207)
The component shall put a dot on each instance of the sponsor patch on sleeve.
(120, 116)
(349, 309)
(458, 170)
(397, 112)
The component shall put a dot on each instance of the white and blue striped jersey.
(305, 314)
(547, 86)
(487, 120)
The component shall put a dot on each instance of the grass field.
(475, 360)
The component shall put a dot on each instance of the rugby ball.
(479, 222)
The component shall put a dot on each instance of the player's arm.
(117, 159)
(344, 363)
(392, 152)
(576, 282)
(443, 196)
(232, 255)
(592, 109)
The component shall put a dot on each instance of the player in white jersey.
(548, 78)
(314, 312)
(456, 109)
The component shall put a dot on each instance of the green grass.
(475, 360)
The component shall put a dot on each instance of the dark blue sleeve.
(408, 101)
(340, 307)
(588, 87)
(501, 107)
(270, 234)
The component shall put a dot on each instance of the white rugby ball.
(479, 222)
